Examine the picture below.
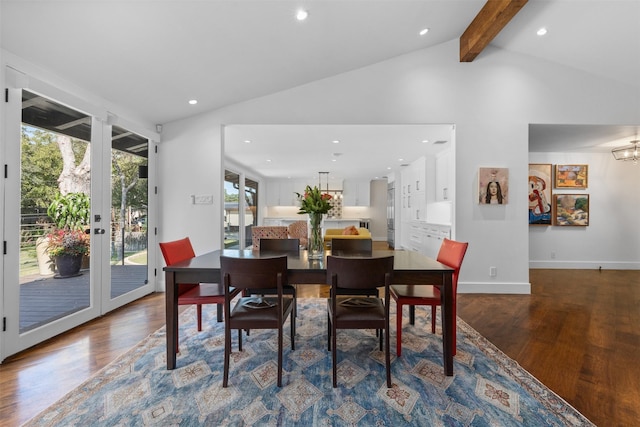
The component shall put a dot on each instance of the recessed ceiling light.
(401, 159)
(193, 101)
(423, 31)
(247, 141)
(302, 14)
(425, 141)
(268, 160)
(335, 141)
(542, 31)
(333, 160)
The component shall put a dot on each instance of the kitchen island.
(328, 222)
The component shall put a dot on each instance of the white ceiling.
(362, 151)
(151, 57)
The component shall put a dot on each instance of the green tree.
(41, 165)
(127, 188)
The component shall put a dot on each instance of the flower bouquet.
(315, 204)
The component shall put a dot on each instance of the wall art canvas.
(540, 183)
(493, 186)
(571, 209)
(572, 176)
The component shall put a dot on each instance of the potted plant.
(68, 243)
(67, 247)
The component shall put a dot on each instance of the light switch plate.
(202, 199)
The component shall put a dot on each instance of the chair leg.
(334, 357)
(412, 314)
(387, 354)
(178, 339)
(227, 354)
(292, 319)
(399, 329)
(455, 327)
(219, 310)
(239, 339)
(280, 356)
(328, 332)
(433, 319)
(199, 310)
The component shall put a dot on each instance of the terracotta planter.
(68, 265)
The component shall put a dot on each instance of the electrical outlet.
(493, 271)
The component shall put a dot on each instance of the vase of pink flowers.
(315, 204)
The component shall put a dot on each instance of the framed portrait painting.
(493, 186)
(572, 176)
(571, 209)
(540, 184)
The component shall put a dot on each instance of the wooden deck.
(44, 299)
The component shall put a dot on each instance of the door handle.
(98, 231)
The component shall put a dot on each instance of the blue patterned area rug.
(487, 389)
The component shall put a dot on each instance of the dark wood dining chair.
(354, 247)
(196, 293)
(358, 312)
(239, 274)
(451, 253)
(279, 247)
(351, 246)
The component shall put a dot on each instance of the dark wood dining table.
(409, 268)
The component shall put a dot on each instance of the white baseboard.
(494, 288)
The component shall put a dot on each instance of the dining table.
(409, 267)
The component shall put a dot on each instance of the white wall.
(610, 240)
(491, 101)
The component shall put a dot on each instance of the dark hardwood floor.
(578, 333)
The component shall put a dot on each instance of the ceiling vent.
(440, 141)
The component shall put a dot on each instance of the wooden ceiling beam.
(491, 19)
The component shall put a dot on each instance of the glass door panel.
(129, 212)
(250, 209)
(76, 237)
(232, 210)
(55, 183)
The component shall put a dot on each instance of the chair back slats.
(351, 246)
(358, 273)
(280, 245)
(253, 273)
(177, 251)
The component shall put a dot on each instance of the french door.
(63, 157)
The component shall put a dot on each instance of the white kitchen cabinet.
(418, 175)
(356, 193)
(444, 170)
(282, 193)
(413, 198)
(423, 237)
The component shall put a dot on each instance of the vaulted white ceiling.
(151, 57)
(154, 56)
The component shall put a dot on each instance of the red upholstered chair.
(451, 254)
(196, 293)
